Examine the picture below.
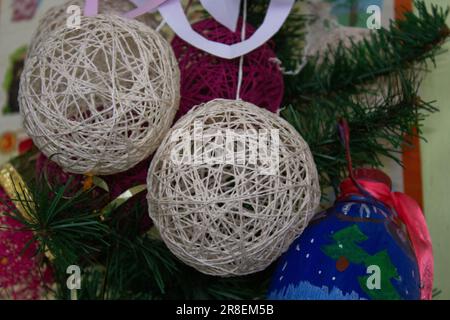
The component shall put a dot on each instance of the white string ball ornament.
(101, 98)
(229, 219)
(56, 17)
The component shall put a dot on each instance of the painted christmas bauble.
(357, 250)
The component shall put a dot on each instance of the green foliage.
(135, 265)
(65, 226)
(373, 84)
(289, 41)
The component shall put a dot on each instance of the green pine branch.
(374, 84)
(65, 226)
(406, 44)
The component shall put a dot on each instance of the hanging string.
(161, 25)
(241, 59)
(344, 135)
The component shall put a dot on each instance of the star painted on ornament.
(297, 247)
(284, 266)
(312, 240)
(307, 256)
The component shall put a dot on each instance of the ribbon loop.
(91, 8)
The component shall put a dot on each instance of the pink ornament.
(21, 275)
(205, 77)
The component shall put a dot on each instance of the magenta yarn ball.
(205, 77)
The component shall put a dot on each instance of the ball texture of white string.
(228, 218)
(100, 99)
(59, 16)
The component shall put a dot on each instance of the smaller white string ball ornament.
(215, 204)
(100, 99)
(325, 33)
(57, 17)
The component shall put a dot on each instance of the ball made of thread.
(57, 17)
(205, 77)
(229, 218)
(100, 99)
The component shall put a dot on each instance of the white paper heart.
(225, 12)
(277, 13)
(173, 13)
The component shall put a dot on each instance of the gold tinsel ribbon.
(121, 199)
(14, 186)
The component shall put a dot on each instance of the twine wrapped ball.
(231, 218)
(56, 17)
(205, 77)
(100, 99)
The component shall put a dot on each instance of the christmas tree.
(373, 83)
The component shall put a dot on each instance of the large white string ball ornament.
(57, 17)
(101, 98)
(230, 187)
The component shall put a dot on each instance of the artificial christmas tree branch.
(406, 44)
(374, 84)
